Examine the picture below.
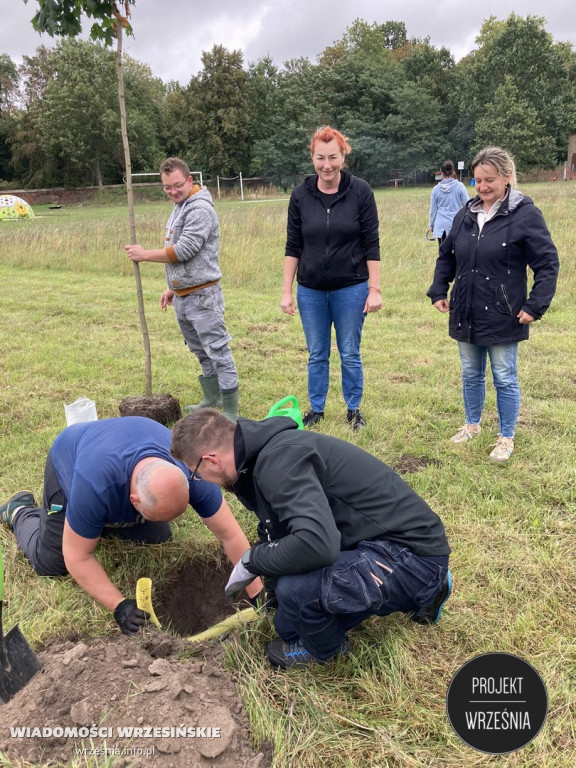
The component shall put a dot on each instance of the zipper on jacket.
(470, 289)
(506, 299)
(267, 530)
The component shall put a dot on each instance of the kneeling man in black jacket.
(342, 536)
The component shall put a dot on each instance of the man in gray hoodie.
(190, 253)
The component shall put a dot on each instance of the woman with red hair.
(333, 250)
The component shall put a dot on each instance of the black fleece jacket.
(315, 495)
(333, 245)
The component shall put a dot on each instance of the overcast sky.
(170, 35)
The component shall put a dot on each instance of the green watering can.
(287, 407)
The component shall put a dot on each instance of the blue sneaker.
(288, 655)
(14, 503)
(430, 614)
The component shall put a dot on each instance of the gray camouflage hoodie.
(193, 242)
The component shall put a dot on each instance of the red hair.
(326, 134)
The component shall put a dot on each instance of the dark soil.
(194, 600)
(163, 408)
(408, 464)
(147, 682)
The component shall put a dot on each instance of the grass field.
(69, 327)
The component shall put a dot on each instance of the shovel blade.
(22, 664)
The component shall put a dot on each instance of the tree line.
(404, 104)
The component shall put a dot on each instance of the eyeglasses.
(169, 187)
(195, 475)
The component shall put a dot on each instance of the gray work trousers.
(200, 316)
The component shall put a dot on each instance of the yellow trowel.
(144, 599)
(144, 602)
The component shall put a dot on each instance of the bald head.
(159, 489)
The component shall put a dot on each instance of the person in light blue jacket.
(447, 198)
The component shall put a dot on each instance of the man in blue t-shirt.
(113, 477)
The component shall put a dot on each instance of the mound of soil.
(162, 408)
(149, 706)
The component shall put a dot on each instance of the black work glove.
(259, 600)
(264, 600)
(129, 617)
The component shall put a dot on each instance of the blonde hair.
(499, 159)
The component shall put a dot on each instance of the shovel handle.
(4, 663)
(248, 614)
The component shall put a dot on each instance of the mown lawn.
(69, 327)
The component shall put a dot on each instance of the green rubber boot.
(212, 397)
(230, 404)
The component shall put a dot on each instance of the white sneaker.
(465, 433)
(503, 449)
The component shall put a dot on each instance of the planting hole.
(193, 600)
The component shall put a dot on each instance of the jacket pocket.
(457, 293)
(502, 300)
(357, 258)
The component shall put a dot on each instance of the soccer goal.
(227, 184)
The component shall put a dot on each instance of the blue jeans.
(319, 310)
(504, 375)
(319, 607)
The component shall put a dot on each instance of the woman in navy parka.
(493, 240)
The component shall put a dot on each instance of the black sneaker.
(288, 655)
(312, 417)
(355, 418)
(430, 614)
(284, 655)
(14, 503)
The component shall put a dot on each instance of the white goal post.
(230, 178)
